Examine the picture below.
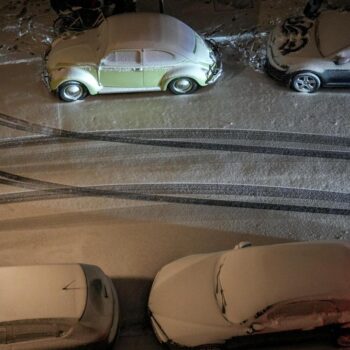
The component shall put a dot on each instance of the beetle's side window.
(157, 58)
(123, 59)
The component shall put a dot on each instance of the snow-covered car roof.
(38, 292)
(333, 31)
(149, 30)
(253, 279)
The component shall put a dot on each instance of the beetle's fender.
(195, 72)
(88, 77)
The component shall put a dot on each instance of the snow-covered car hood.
(77, 49)
(292, 40)
(42, 292)
(300, 39)
(182, 302)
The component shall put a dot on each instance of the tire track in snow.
(124, 137)
(150, 192)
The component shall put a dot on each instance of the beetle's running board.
(112, 90)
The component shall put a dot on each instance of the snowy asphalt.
(131, 182)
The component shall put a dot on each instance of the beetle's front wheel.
(182, 86)
(72, 91)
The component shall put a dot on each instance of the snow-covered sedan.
(54, 307)
(308, 54)
(130, 53)
(255, 295)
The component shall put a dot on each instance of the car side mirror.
(241, 245)
(338, 60)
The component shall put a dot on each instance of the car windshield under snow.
(250, 280)
(333, 32)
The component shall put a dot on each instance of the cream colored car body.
(212, 298)
(132, 52)
(56, 307)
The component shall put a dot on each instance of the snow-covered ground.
(147, 206)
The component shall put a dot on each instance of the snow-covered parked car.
(308, 54)
(254, 295)
(129, 53)
(46, 307)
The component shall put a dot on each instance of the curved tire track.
(50, 190)
(23, 125)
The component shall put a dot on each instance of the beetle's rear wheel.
(72, 91)
(182, 86)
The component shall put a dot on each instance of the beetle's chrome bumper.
(215, 73)
(216, 70)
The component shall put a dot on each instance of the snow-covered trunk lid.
(42, 292)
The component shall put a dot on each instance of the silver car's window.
(157, 58)
(129, 58)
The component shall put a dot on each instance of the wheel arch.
(194, 73)
(305, 70)
(63, 75)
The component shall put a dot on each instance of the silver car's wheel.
(181, 86)
(306, 82)
(72, 91)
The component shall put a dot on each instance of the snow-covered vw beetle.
(132, 52)
(308, 53)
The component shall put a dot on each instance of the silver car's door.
(121, 69)
(338, 69)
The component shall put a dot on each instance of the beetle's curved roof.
(252, 279)
(149, 30)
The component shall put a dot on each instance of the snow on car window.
(123, 58)
(127, 58)
(154, 57)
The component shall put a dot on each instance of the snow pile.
(26, 29)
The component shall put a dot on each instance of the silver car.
(308, 54)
